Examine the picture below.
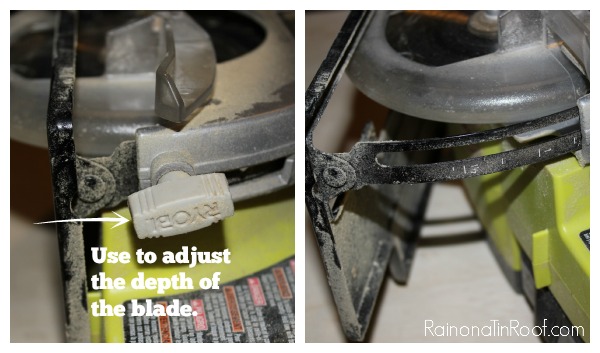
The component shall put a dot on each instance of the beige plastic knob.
(180, 204)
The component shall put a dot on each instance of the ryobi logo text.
(183, 218)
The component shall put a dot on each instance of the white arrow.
(120, 220)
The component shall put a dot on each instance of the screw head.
(91, 188)
(334, 176)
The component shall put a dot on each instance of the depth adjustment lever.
(180, 203)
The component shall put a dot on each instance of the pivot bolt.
(335, 176)
(91, 188)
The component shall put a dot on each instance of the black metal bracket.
(61, 148)
(341, 172)
(356, 244)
